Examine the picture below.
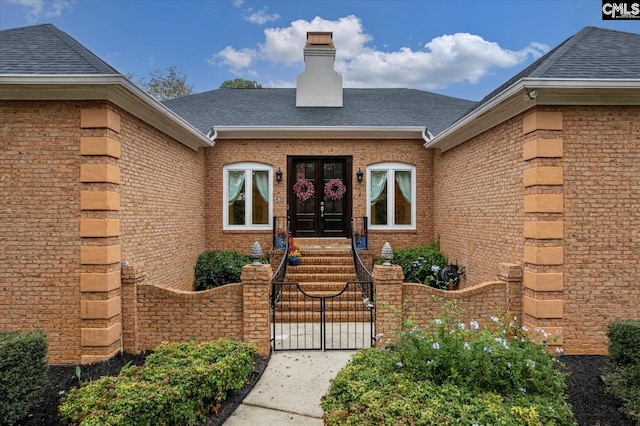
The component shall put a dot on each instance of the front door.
(319, 196)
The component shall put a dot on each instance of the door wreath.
(335, 189)
(303, 189)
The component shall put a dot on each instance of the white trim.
(319, 132)
(391, 168)
(247, 167)
(110, 87)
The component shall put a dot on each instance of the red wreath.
(303, 189)
(335, 189)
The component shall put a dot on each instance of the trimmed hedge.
(417, 262)
(23, 373)
(178, 385)
(216, 268)
(624, 365)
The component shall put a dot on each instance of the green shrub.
(216, 268)
(451, 374)
(624, 365)
(23, 373)
(417, 262)
(178, 385)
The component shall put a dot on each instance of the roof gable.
(49, 51)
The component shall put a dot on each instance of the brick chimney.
(319, 85)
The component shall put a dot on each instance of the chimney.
(319, 85)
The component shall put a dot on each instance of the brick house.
(109, 195)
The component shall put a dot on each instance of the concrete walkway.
(290, 389)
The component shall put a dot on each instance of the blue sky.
(454, 47)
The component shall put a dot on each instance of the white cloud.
(38, 9)
(261, 17)
(233, 58)
(445, 60)
(238, 3)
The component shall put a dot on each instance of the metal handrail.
(281, 271)
(362, 273)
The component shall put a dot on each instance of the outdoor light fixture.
(279, 175)
(359, 175)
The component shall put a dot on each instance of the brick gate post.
(256, 283)
(389, 315)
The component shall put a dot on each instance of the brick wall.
(175, 315)
(478, 201)
(274, 152)
(39, 222)
(162, 205)
(602, 222)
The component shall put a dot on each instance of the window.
(247, 196)
(391, 194)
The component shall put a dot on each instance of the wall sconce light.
(279, 175)
(359, 175)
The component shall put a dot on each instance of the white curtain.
(378, 180)
(236, 180)
(261, 180)
(404, 182)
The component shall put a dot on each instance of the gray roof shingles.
(361, 107)
(44, 49)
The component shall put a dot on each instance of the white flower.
(438, 321)
(365, 300)
(467, 345)
(399, 364)
(435, 346)
(488, 349)
(474, 325)
(429, 362)
(461, 326)
(435, 268)
(503, 342)
(523, 390)
(531, 364)
(509, 364)
(559, 351)
(525, 328)
(494, 319)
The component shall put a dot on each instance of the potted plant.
(280, 238)
(294, 251)
(361, 239)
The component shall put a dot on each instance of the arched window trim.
(391, 168)
(248, 168)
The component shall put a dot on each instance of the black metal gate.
(303, 321)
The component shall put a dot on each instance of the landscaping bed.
(591, 405)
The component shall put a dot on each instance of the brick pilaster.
(387, 282)
(256, 283)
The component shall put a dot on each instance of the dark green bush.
(417, 262)
(23, 373)
(624, 365)
(178, 385)
(216, 268)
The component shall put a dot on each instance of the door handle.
(322, 209)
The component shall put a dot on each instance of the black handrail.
(281, 271)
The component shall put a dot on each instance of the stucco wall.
(478, 201)
(274, 152)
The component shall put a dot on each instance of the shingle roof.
(44, 49)
(591, 53)
(361, 107)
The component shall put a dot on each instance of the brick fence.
(241, 311)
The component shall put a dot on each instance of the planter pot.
(293, 261)
(280, 243)
(361, 243)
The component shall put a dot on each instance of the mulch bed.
(585, 388)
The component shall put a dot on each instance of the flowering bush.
(452, 372)
(294, 247)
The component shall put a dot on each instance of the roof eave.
(527, 93)
(319, 132)
(114, 88)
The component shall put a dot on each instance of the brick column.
(256, 321)
(511, 273)
(543, 230)
(100, 298)
(387, 281)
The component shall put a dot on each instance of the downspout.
(212, 135)
(426, 136)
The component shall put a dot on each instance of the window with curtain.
(247, 196)
(391, 194)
